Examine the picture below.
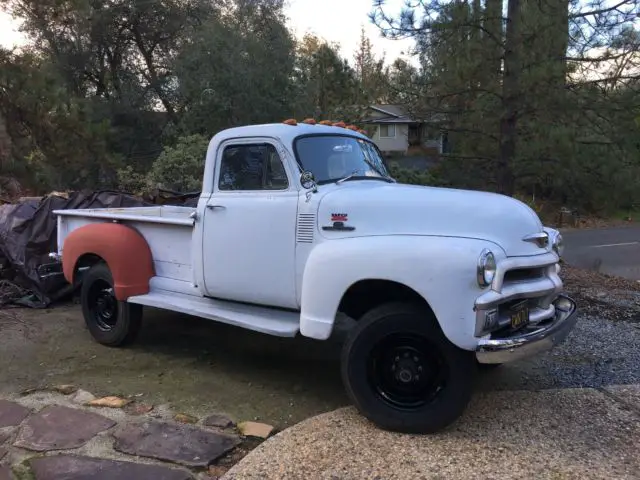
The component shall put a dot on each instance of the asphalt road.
(615, 251)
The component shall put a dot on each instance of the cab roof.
(283, 132)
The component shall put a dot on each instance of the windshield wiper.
(351, 175)
(358, 173)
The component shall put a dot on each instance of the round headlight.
(486, 268)
(558, 245)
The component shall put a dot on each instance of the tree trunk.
(510, 100)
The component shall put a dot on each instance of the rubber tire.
(129, 315)
(394, 317)
(488, 367)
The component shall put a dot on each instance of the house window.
(387, 131)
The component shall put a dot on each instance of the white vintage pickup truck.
(298, 223)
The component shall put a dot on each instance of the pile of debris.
(28, 233)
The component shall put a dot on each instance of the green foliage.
(412, 176)
(181, 167)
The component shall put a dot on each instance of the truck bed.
(167, 229)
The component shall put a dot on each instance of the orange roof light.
(291, 121)
(363, 132)
(326, 122)
(352, 127)
(340, 124)
(309, 121)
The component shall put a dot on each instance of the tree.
(325, 82)
(522, 91)
(370, 72)
(236, 69)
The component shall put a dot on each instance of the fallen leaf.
(111, 402)
(65, 389)
(184, 418)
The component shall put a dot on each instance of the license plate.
(519, 315)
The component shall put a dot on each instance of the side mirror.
(308, 181)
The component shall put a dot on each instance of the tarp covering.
(28, 233)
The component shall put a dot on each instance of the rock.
(3, 452)
(111, 402)
(12, 414)
(71, 467)
(180, 443)
(65, 389)
(138, 408)
(255, 429)
(3, 437)
(217, 471)
(82, 397)
(58, 428)
(218, 420)
(184, 418)
(5, 473)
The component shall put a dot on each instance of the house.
(396, 132)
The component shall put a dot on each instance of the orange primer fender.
(125, 251)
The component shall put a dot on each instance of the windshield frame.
(341, 134)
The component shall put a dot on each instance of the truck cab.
(299, 223)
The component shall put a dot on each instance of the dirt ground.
(196, 366)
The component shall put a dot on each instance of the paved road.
(615, 251)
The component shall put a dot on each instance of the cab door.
(249, 226)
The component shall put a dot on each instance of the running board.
(260, 319)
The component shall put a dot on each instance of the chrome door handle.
(213, 207)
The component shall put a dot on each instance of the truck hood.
(375, 208)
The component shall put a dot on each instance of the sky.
(336, 21)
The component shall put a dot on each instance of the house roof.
(391, 110)
(391, 114)
(400, 114)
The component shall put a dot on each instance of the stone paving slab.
(5, 473)
(12, 414)
(179, 443)
(219, 421)
(551, 434)
(59, 428)
(72, 467)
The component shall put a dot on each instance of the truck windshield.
(339, 157)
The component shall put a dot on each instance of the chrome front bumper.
(536, 339)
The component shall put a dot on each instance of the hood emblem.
(541, 239)
(338, 220)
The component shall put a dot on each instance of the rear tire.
(111, 322)
(402, 373)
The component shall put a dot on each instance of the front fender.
(440, 269)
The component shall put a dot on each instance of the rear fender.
(124, 250)
(441, 270)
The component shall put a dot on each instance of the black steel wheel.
(407, 370)
(402, 373)
(110, 321)
(104, 305)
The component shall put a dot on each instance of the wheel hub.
(407, 371)
(104, 305)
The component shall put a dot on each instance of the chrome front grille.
(534, 279)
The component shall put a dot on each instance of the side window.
(252, 167)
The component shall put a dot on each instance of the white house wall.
(399, 143)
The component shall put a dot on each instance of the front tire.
(111, 322)
(402, 373)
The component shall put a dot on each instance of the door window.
(252, 167)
